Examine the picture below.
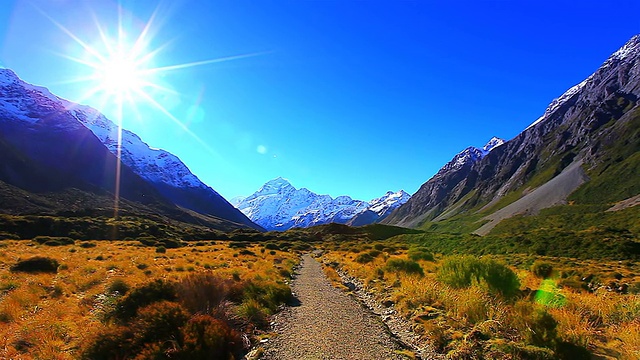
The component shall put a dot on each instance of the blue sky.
(341, 97)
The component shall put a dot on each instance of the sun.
(122, 71)
(120, 75)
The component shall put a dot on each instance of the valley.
(527, 248)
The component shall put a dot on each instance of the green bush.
(367, 257)
(542, 269)
(36, 264)
(406, 266)
(53, 240)
(463, 271)
(268, 294)
(120, 286)
(535, 325)
(87, 245)
(161, 249)
(155, 291)
(416, 254)
(149, 335)
(378, 247)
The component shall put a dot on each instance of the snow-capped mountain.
(471, 155)
(380, 208)
(24, 106)
(590, 126)
(277, 205)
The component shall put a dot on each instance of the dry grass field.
(516, 306)
(73, 312)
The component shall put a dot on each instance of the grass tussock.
(121, 299)
(518, 307)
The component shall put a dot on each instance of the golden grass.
(48, 316)
(604, 322)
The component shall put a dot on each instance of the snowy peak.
(389, 201)
(630, 49)
(470, 155)
(275, 186)
(492, 144)
(26, 105)
(628, 52)
(277, 205)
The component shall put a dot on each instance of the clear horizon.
(340, 97)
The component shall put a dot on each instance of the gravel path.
(327, 324)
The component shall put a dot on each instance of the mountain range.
(277, 205)
(61, 158)
(584, 150)
(58, 156)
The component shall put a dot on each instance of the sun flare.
(119, 74)
(122, 71)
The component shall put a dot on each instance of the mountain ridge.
(591, 124)
(61, 145)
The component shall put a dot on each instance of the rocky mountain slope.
(50, 145)
(584, 149)
(277, 205)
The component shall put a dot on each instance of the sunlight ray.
(78, 60)
(178, 122)
(140, 42)
(103, 36)
(203, 62)
(158, 87)
(84, 45)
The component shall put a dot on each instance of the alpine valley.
(525, 248)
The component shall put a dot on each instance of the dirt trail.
(327, 324)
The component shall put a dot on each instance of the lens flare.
(123, 72)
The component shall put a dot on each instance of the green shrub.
(416, 254)
(402, 265)
(542, 269)
(36, 264)
(155, 291)
(53, 240)
(161, 249)
(271, 246)
(148, 241)
(268, 294)
(171, 243)
(535, 325)
(367, 257)
(87, 244)
(463, 271)
(118, 285)
(252, 311)
(149, 335)
(238, 244)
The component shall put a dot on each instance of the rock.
(349, 285)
